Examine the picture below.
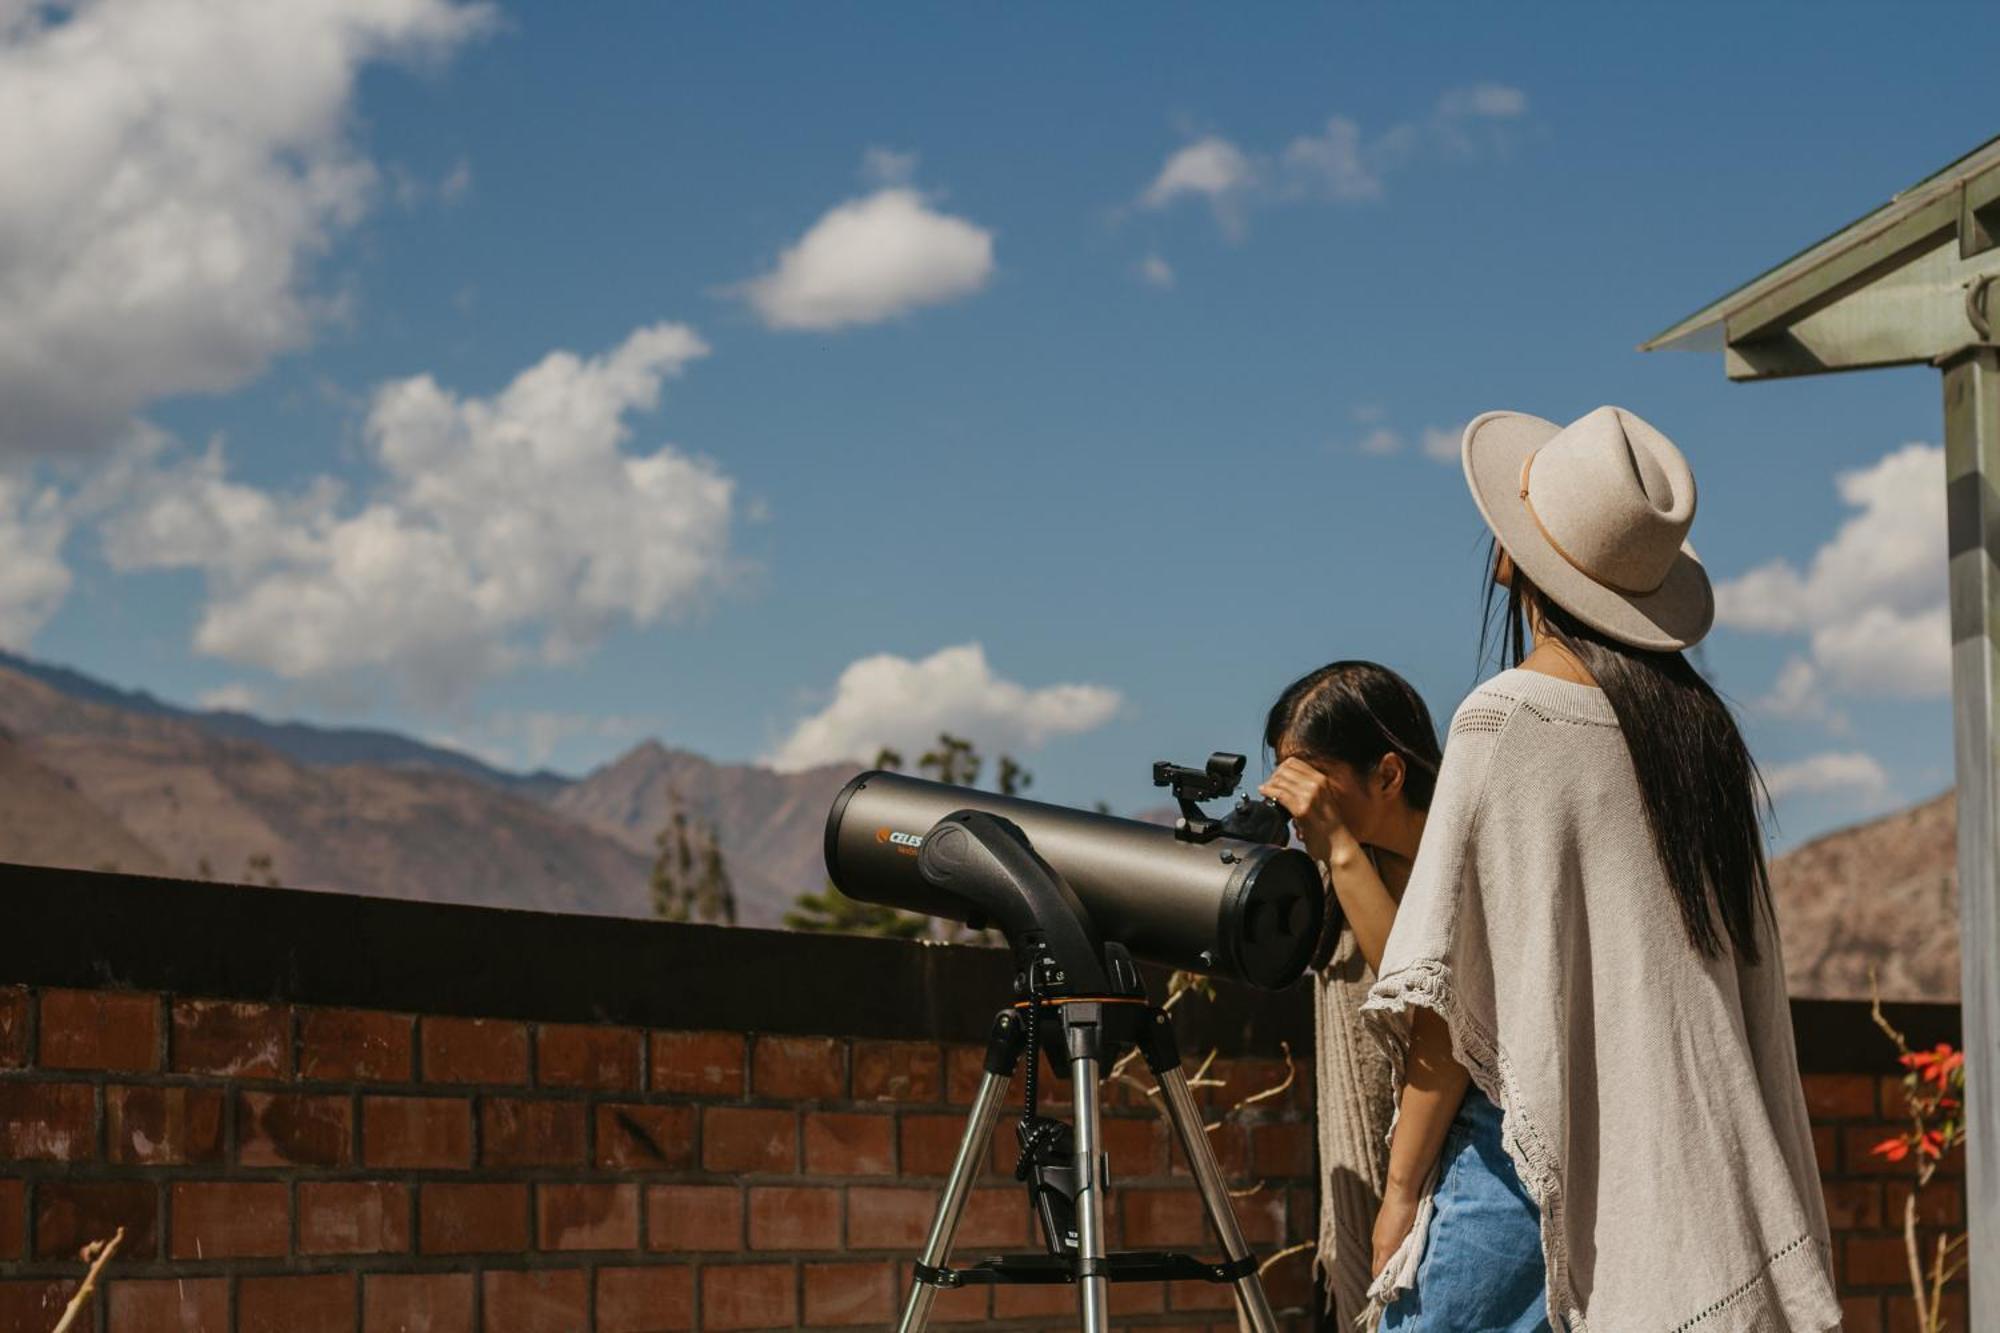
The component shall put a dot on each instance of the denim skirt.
(1482, 1263)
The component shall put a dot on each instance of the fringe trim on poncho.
(1356, 1102)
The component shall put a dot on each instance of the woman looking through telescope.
(1357, 759)
(1601, 1123)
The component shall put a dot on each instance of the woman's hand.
(1308, 796)
(1392, 1224)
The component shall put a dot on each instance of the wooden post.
(1972, 468)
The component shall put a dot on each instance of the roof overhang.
(1906, 284)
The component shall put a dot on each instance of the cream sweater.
(1651, 1096)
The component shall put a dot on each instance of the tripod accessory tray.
(1048, 1270)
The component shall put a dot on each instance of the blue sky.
(1148, 424)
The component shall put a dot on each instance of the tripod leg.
(951, 1204)
(1186, 1116)
(1093, 1286)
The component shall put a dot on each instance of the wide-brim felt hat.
(1596, 515)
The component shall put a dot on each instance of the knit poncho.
(1651, 1096)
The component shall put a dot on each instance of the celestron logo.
(891, 836)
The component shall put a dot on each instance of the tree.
(714, 894)
(953, 762)
(1014, 779)
(672, 880)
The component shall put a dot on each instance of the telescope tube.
(1228, 908)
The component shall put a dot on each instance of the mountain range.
(97, 777)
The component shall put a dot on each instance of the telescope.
(1224, 897)
(1080, 897)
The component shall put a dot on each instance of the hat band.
(1527, 465)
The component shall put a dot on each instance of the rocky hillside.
(1882, 893)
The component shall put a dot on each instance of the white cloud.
(1210, 168)
(34, 523)
(872, 259)
(169, 172)
(904, 704)
(886, 166)
(1156, 272)
(498, 529)
(1441, 443)
(1381, 441)
(1333, 164)
(524, 741)
(1800, 695)
(1341, 163)
(1871, 603)
(232, 697)
(1848, 771)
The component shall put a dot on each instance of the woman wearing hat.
(1600, 1124)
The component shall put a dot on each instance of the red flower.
(1893, 1149)
(1933, 1143)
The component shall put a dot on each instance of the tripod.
(1096, 1031)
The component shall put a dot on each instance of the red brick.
(1199, 1296)
(571, 1055)
(930, 1143)
(515, 1132)
(841, 1143)
(294, 1129)
(735, 1138)
(1128, 1298)
(13, 1027)
(799, 1068)
(1826, 1149)
(30, 1307)
(1281, 1150)
(13, 1218)
(1940, 1204)
(230, 1220)
(1229, 1142)
(1840, 1096)
(48, 1122)
(748, 1296)
(1853, 1205)
(155, 1126)
(897, 1218)
(1290, 1284)
(232, 1039)
(1874, 1261)
(1903, 1313)
(704, 1064)
(585, 1216)
(1261, 1214)
(353, 1217)
(694, 1217)
(645, 1300)
(416, 1131)
(416, 1303)
(322, 1303)
(548, 1300)
(1163, 1219)
(850, 1293)
(355, 1045)
(72, 1214)
(1033, 1302)
(100, 1029)
(480, 1218)
(170, 1305)
(794, 1218)
(1861, 1314)
(1136, 1146)
(898, 1071)
(965, 1069)
(474, 1050)
(645, 1138)
(1858, 1158)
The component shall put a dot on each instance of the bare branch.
(99, 1253)
(1286, 1253)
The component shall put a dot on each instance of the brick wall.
(283, 1168)
(1866, 1194)
(314, 1112)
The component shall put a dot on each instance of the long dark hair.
(1357, 712)
(1704, 797)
